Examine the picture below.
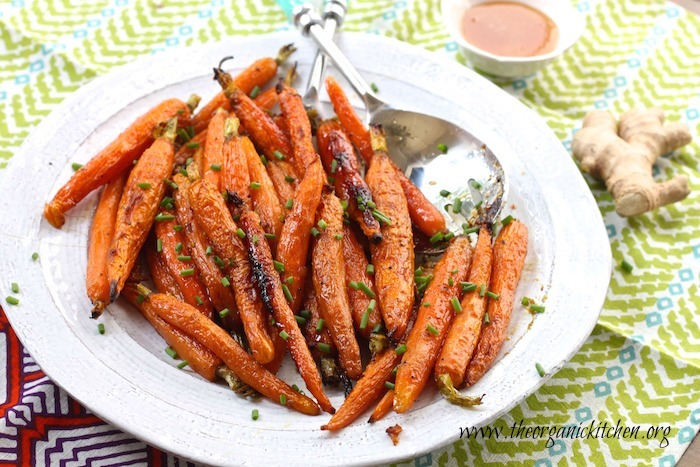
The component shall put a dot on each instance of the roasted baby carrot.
(340, 162)
(367, 390)
(164, 281)
(293, 245)
(363, 301)
(328, 268)
(113, 160)
(393, 257)
(266, 100)
(299, 127)
(386, 403)
(318, 338)
(209, 334)
(177, 257)
(432, 323)
(509, 251)
(464, 332)
(209, 265)
(189, 148)
(271, 289)
(213, 156)
(426, 216)
(198, 357)
(101, 235)
(284, 177)
(212, 215)
(234, 176)
(257, 74)
(264, 196)
(138, 207)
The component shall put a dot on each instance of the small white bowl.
(569, 22)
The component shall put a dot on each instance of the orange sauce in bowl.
(509, 29)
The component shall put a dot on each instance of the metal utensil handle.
(333, 15)
(308, 21)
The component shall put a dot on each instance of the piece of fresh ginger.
(623, 155)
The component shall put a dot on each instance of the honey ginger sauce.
(509, 29)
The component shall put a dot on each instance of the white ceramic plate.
(125, 377)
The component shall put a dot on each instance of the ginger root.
(623, 157)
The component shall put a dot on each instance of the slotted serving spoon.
(417, 142)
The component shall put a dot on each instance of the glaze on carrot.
(386, 403)
(213, 155)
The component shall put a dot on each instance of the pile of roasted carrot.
(259, 242)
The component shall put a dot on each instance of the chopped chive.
(101, 328)
(290, 280)
(506, 220)
(426, 304)
(468, 286)
(254, 92)
(437, 238)
(401, 349)
(296, 388)
(279, 156)
(182, 364)
(215, 167)
(456, 306)
(270, 236)
(478, 205)
(344, 204)
(169, 350)
(198, 299)
(263, 159)
(179, 247)
(178, 228)
(448, 236)
(35, 256)
(371, 204)
(189, 160)
(255, 414)
(171, 184)
(450, 282)
(374, 87)
(15, 287)
(338, 236)
(305, 313)
(224, 313)
(457, 208)
(445, 193)
(325, 348)
(454, 271)
(377, 328)
(525, 301)
(371, 305)
(365, 288)
(370, 269)
(482, 290)
(167, 202)
(537, 308)
(184, 258)
(381, 217)
(319, 325)
(190, 131)
(255, 239)
(140, 298)
(540, 369)
(394, 370)
(284, 335)
(219, 262)
(365, 319)
(418, 272)
(279, 266)
(334, 166)
(289, 179)
(187, 272)
(225, 282)
(240, 233)
(492, 295)
(432, 329)
(254, 185)
(183, 171)
(315, 232)
(161, 217)
(322, 224)
(144, 185)
(287, 293)
(468, 230)
(76, 166)
(354, 285)
(209, 251)
(627, 267)
(289, 204)
(476, 184)
(184, 136)
(331, 180)
(193, 145)
(300, 320)
(442, 148)
(389, 385)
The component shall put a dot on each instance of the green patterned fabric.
(642, 363)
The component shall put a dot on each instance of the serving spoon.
(428, 148)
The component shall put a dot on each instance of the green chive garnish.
(437, 238)
(184, 136)
(487, 318)
(305, 313)
(224, 313)
(338, 236)
(401, 349)
(279, 156)
(254, 185)
(334, 166)
(12, 300)
(457, 207)
(525, 301)
(492, 295)
(381, 217)
(279, 267)
(35, 256)
(225, 282)
(179, 247)
(263, 159)
(365, 288)
(15, 287)
(540, 369)
(322, 224)
(301, 321)
(389, 385)
(325, 348)
(240, 233)
(374, 87)
(289, 204)
(198, 299)
(365, 319)
(140, 298)
(442, 148)
(506, 220)
(448, 236)
(144, 185)
(537, 308)
(354, 285)
(171, 184)
(370, 269)
(289, 179)
(215, 167)
(193, 145)
(450, 282)
(315, 232)
(187, 272)
(482, 290)
(167, 203)
(290, 280)
(182, 364)
(76, 166)
(627, 267)
(456, 306)
(219, 262)
(476, 184)
(101, 328)
(270, 236)
(377, 328)
(468, 230)
(284, 335)
(209, 251)
(432, 329)
(184, 258)
(445, 193)
(426, 304)
(254, 92)
(171, 352)
(287, 293)
(319, 325)
(255, 414)
(344, 204)
(164, 217)
(283, 399)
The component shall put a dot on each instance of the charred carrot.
(328, 267)
(293, 245)
(138, 207)
(367, 390)
(363, 304)
(338, 157)
(318, 338)
(509, 251)
(212, 215)
(113, 160)
(263, 194)
(299, 127)
(209, 265)
(199, 358)
(213, 156)
(386, 403)
(257, 74)
(393, 257)
(207, 333)
(280, 346)
(464, 332)
(234, 176)
(432, 323)
(164, 281)
(266, 100)
(177, 258)
(270, 287)
(101, 235)
(426, 216)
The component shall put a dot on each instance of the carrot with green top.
(138, 207)
(509, 252)
(101, 235)
(432, 323)
(116, 158)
